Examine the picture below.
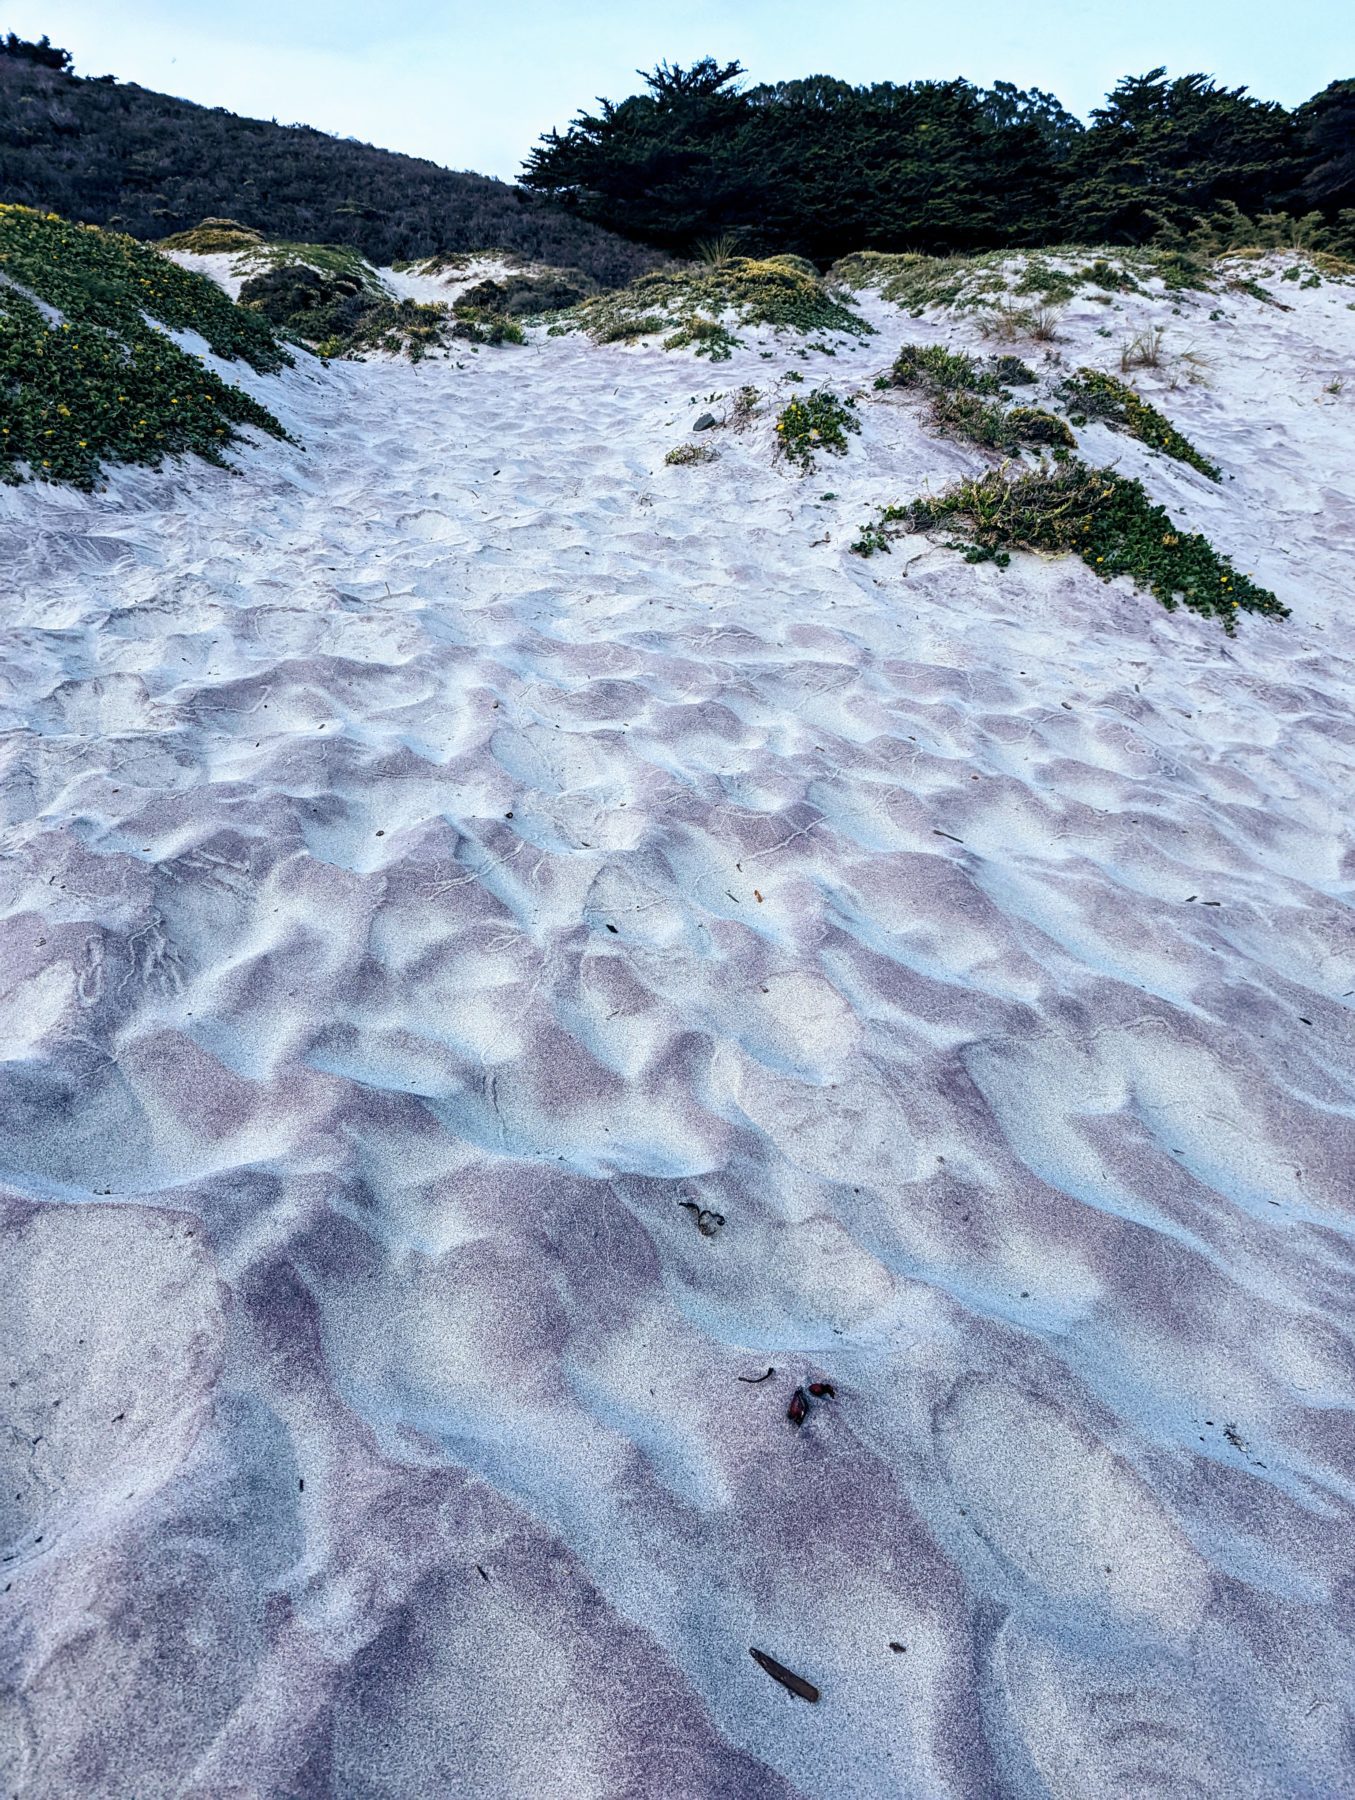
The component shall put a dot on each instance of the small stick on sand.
(787, 1677)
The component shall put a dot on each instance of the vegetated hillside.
(85, 377)
(821, 168)
(115, 154)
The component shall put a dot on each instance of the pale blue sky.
(472, 83)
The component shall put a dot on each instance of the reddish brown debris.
(798, 1410)
(822, 1390)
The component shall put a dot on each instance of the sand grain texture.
(441, 866)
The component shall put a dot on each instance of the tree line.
(817, 167)
(821, 168)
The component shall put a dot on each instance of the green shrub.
(625, 330)
(284, 293)
(212, 237)
(342, 315)
(709, 337)
(933, 367)
(967, 400)
(1032, 425)
(479, 325)
(527, 296)
(681, 455)
(1012, 372)
(1106, 519)
(818, 422)
(1092, 394)
(779, 291)
(99, 384)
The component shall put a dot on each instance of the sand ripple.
(448, 871)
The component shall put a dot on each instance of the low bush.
(1033, 426)
(933, 367)
(623, 330)
(343, 315)
(780, 291)
(527, 296)
(682, 455)
(1092, 394)
(1105, 519)
(480, 325)
(818, 422)
(707, 336)
(214, 237)
(90, 381)
(992, 426)
(282, 294)
(968, 399)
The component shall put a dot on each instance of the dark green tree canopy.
(815, 166)
(1163, 152)
(1326, 126)
(820, 167)
(44, 52)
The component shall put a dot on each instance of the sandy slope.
(439, 864)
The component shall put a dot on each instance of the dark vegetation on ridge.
(816, 168)
(108, 153)
(822, 169)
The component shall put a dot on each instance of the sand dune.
(506, 941)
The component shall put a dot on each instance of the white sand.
(433, 859)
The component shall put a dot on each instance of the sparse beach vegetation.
(682, 456)
(970, 401)
(1093, 394)
(1069, 509)
(818, 422)
(704, 304)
